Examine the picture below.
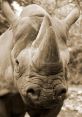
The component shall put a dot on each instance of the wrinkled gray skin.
(35, 58)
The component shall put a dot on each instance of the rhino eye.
(17, 62)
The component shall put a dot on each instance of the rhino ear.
(72, 17)
(9, 13)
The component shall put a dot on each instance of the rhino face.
(40, 57)
(43, 87)
(39, 72)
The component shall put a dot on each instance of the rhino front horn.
(48, 53)
(8, 12)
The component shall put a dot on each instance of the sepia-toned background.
(61, 8)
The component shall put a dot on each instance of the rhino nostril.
(33, 93)
(30, 91)
(61, 91)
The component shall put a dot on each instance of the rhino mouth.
(45, 105)
(49, 104)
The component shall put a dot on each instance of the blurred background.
(61, 8)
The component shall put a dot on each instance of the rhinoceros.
(34, 59)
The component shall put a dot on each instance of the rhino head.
(39, 58)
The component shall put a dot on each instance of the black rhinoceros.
(33, 62)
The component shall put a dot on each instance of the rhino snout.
(34, 93)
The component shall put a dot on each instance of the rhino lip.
(56, 102)
(50, 105)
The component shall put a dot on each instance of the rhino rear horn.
(9, 13)
(48, 52)
(45, 24)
